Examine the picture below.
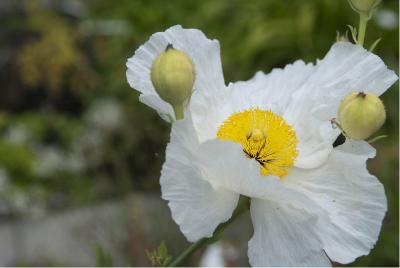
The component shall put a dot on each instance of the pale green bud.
(364, 6)
(173, 75)
(361, 115)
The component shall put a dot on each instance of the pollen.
(265, 137)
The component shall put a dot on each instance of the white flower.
(270, 139)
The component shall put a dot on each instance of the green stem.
(187, 252)
(362, 28)
(179, 111)
(243, 205)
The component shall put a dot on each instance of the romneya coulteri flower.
(270, 139)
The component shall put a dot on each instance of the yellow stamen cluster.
(265, 137)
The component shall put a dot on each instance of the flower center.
(265, 137)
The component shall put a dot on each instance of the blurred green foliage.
(71, 129)
(103, 259)
(159, 257)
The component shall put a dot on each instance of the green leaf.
(166, 261)
(162, 249)
(103, 259)
(159, 257)
(372, 47)
(353, 32)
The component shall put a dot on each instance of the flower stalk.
(364, 8)
(243, 206)
(179, 111)
(362, 28)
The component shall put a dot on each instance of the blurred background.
(80, 157)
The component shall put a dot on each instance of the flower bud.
(364, 6)
(173, 75)
(361, 114)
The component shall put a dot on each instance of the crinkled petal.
(275, 88)
(345, 68)
(205, 54)
(315, 138)
(209, 110)
(348, 68)
(353, 201)
(196, 206)
(284, 236)
(265, 91)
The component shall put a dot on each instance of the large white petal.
(271, 90)
(265, 91)
(284, 236)
(196, 206)
(205, 54)
(209, 110)
(345, 68)
(315, 138)
(353, 201)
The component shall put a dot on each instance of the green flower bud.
(361, 114)
(173, 75)
(364, 6)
